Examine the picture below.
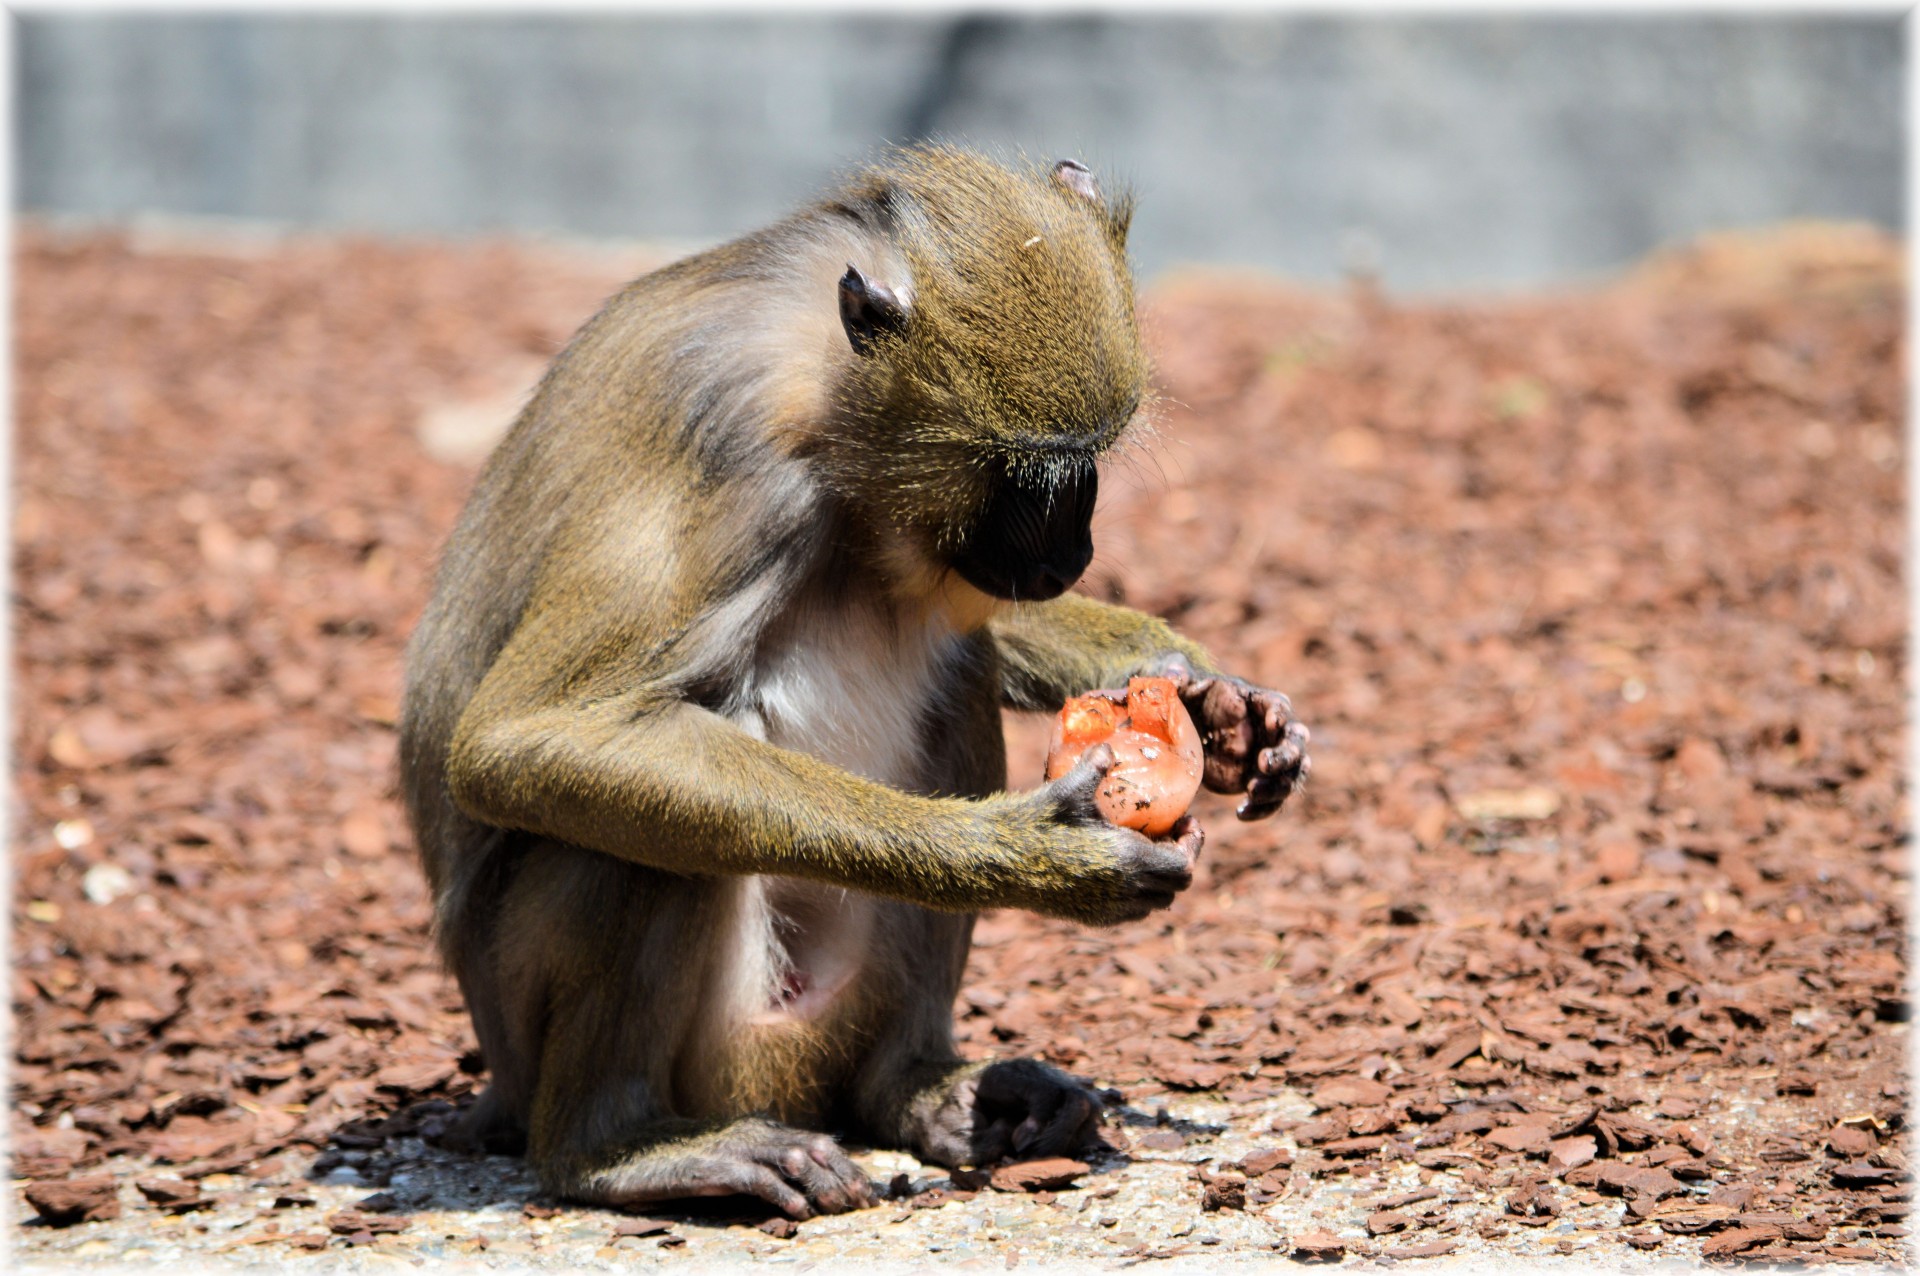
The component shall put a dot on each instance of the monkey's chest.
(854, 689)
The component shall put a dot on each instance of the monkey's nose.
(1045, 584)
(1055, 576)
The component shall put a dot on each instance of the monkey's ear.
(1078, 178)
(868, 310)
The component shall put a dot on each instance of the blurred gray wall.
(1449, 152)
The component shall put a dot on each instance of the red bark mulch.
(1594, 604)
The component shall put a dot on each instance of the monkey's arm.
(579, 732)
(1055, 650)
(1052, 651)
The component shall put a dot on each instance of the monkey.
(701, 741)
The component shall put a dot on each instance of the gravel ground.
(468, 1212)
(1587, 943)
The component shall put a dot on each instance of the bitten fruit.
(1156, 751)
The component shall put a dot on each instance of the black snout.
(1033, 538)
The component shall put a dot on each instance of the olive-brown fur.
(708, 491)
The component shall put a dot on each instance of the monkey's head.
(995, 357)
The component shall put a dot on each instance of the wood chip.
(1425, 1249)
(1048, 1175)
(1348, 1092)
(1737, 1239)
(1254, 1164)
(1318, 1247)
(65, 1202)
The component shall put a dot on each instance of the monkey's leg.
(613, 966)
(469, 916)
(913, 1090)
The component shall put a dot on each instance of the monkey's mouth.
(1035, 583)
(1032, 540)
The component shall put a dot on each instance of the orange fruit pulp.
(1156, 750)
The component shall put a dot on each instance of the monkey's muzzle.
(1034, 537)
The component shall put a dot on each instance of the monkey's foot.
(488, 1126)
(799, 1172)
(987, 1111)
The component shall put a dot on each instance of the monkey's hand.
(1087, 869)
(986, 1111)
(1253, 743)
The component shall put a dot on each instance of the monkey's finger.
(1096, 761)
(799, 1168)
(1273, 711)
(750, 1178)
(1075, 790)
(1039, 1092)
(1287, 755)
(1266, 793)
(1295, 735)
(1224, 707)
(1189, 837)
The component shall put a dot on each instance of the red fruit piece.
(1157, 754)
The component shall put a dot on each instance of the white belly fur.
(849, 687)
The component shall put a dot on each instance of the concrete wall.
(1453, 152)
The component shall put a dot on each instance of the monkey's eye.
(869, 310)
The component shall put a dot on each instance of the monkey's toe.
(827, 1177)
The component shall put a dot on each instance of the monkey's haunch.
(1158, 759)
